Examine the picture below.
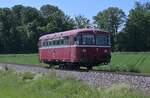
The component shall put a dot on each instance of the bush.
(27, 76)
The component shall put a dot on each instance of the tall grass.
(12, 85)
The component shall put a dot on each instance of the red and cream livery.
(80, 47)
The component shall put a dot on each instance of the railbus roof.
(68, 33)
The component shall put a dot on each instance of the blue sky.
(88, 8)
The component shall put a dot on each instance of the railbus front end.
(91, 48)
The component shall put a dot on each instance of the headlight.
(105, 51)
(84, 50)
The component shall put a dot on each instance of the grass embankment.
(28, 85)
(132, 62)
(20, 59)
(129, 62)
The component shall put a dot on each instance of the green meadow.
(20, 59)
(128, 62)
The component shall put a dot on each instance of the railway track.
(96, 78)
(10, 65)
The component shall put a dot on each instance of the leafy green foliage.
(21, 27)
(55, 19)
(82, 22)
(136, 35)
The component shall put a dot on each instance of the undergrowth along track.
(95, 78)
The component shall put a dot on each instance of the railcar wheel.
(41, 61)
(72, 67)
(49, 66)
(76, 67)
(89, 67)
(61, 66)
(105, 63)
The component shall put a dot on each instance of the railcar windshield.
(77, 40)
(102, 40)
(92, 39)
(88, 39)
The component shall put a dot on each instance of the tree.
(49, 10)
(17, 12)
(26, 21)
(56, 20)
(21, 26)
(19, 29)
(6, 35)
(1, 32)
(137, 28)
(82, 22)
(121, 38)
(110, 20)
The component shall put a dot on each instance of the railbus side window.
(58, 42)
(77, 40)
(54, 42)
(66, 40)
(62, 41)
(43, 44)
(49, 43)
(46, 43)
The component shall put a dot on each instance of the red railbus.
(75, 48)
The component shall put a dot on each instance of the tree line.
(21, 26)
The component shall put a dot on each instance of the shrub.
(27, 75)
